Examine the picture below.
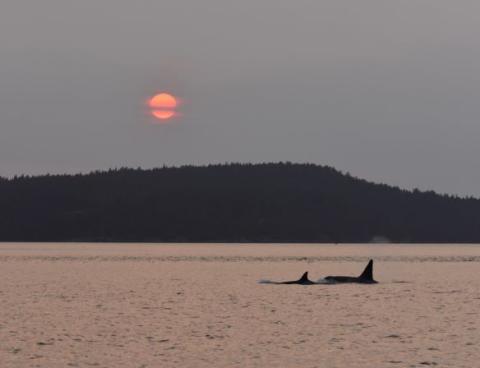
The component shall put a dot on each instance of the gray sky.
(387, 90)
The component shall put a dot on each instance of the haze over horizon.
(387, 91)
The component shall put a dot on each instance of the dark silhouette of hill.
(279, 202)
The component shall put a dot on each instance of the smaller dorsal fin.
(304, 277)
(367, 273)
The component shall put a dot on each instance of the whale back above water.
(365, 278)
(304, 280)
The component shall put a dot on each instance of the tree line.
(273, 202)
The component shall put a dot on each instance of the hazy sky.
(387, 90)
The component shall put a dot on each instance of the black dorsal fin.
(304, 277)
(367, 273)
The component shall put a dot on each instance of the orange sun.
(163, 114)
(163, 106)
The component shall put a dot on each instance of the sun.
(163, 114)
(163, 106)
(163, 101)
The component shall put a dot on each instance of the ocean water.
(201, 305)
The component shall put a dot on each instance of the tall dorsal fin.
(304, 277)
(367, 273)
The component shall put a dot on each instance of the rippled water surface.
(200, 305)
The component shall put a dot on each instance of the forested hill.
(229, 203)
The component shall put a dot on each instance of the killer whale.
(304, 280)
(365, 278)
